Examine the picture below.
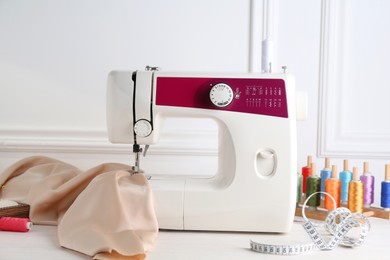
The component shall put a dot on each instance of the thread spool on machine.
(320, 212)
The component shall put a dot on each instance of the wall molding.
(335, 138)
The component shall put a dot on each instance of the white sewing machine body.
(255, 187)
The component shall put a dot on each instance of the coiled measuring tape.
(338, 223)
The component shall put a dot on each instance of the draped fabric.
(106, 212)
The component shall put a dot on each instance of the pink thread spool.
(368, 180)
(15, 224)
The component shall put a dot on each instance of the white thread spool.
(266, 55)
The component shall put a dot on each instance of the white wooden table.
(42, 243)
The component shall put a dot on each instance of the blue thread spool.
(326, 173)
(385, 191)
(346, 177)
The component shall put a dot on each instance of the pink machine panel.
(251, 95)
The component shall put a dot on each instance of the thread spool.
(15, 224)
(266, 56)
(368, 180)
(345, 177)
(306, 173)
(355, 193)
(333, 187)
(313, 185)
(299, 187)
(325, 174)
(385, 191)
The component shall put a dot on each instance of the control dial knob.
(142, 128)
(221, 95)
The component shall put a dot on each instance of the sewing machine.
(255, 186)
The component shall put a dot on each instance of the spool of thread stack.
(360, 189)
(306, 173)
(345, 177)
(313, 185)
(333, 187)
(385, 191)
(355, 193)
(325, 174)
(368, 180)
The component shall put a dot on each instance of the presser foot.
(137, 150)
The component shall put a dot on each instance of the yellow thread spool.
(333, 187)
(355, 193)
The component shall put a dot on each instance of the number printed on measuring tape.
(338, 229)
(280, 249)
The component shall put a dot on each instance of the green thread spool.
(299, 187)
(313, 185)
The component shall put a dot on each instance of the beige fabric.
(120, 216)
(19, 178)
(104, 212)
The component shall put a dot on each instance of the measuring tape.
(338, 223)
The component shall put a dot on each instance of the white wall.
(55, 56)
